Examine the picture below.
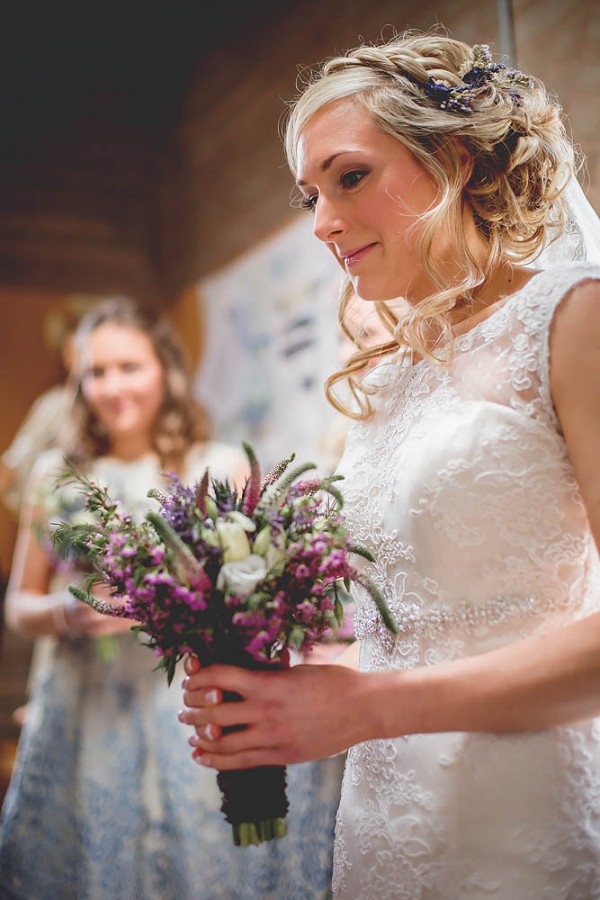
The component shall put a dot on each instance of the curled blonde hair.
(180, 423)
(520, 162)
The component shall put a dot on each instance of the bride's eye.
(353, 178)
(309, 203)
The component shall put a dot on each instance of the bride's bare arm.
(311, 712)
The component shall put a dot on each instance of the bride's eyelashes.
(309, 203)
(353, 178)
(347, 181)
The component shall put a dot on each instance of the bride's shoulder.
(575, 369)
(556, 283)
(535, 306)
(577, 316)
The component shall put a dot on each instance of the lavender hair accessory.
(482, 71)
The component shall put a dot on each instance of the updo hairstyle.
(521, 160)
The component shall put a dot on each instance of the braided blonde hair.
(521, 160)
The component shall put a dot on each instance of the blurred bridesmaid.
(104, 801)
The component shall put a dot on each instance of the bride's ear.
(465, 158)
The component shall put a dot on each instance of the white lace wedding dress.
(462, 486)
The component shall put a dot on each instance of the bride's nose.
(328, 221)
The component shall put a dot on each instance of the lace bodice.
(462, 487)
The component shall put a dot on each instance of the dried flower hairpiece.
(482, 70)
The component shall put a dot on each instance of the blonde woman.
(438, 176)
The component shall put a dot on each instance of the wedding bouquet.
(231, 576)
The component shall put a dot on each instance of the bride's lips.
(351, 257)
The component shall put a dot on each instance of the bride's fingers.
(225, 715)
(212, 738)
(208, 732)
(224, 678)
(191, 664)
(202, 699)
(247, 759)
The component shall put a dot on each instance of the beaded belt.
(435, 620)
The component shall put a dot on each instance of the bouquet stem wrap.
(254, 800)
(254, 803)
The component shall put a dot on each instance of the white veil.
(580, 242)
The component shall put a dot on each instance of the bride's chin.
(372, 296)
(364, 291)
(371, 291)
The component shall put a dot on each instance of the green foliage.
(361, 551)
(72, 541)
(380, 603)
(185, 564)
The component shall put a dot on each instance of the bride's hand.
(302, 713)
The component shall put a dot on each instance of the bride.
(441, 177)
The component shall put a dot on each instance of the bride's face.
(123, 381)
(368, 193)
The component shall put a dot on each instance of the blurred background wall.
(140, 153)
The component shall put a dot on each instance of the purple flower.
(287, 597)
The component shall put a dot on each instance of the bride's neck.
(506, 280)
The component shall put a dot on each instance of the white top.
(129, 480)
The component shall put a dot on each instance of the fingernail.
(208, 732)
(211, 697)
(185, 683)
(183, 716)
(202, 760)
(193, 740)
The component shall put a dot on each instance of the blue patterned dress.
(105, 802)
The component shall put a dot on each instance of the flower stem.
(247, 834)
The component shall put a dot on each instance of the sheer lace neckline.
(465, 337)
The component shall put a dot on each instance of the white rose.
(242, 576)
(233, 540)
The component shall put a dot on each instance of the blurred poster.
(271, 341)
